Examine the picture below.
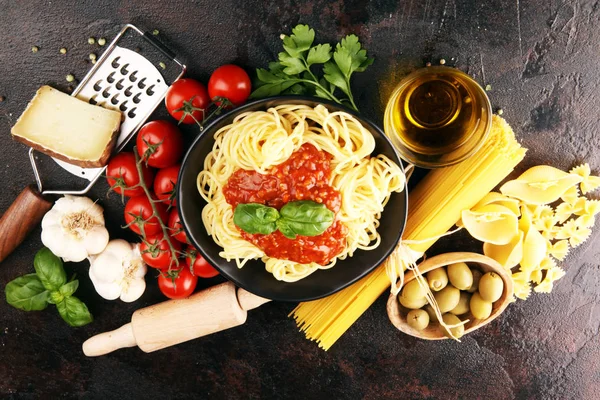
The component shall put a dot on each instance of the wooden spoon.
(397, 313)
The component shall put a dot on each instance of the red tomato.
(175, 226)
(138, 211)
(122, 173)
(198, 265)
(186, 101)
(231, 82)
(177, 284)
(160, 144)
(157, 253)
(165, 182)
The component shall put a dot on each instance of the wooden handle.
(108, 342)
(249, 301)
(21, 217)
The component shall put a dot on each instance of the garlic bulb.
(118, 272)
(74, 228)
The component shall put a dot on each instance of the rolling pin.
(176, 321)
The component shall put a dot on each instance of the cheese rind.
(67, 128)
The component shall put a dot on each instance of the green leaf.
(55, 297)
(27, 293)
(49, 268)
(255, 218)
(303, 36)
(74, 311)
(350, 57)
(296, 89)
(306, 218)
(292, 65)
(69, 288)
(266, 76)
(334, 76)
(319, 54)
(272, 89)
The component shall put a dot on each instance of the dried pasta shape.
(585, 221)
(500, 199)
(575, 233)
(565, 210)
(590, 184)
(552, 275)
(525, 221)
(534, 250)
(545, 223)
(582, 170)
(508, 255)
(540, 185)
(492, 223)
(571, 195)
(521, 286)
(558, 250)
(590, 207)
(536, 276)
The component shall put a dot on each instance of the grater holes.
(131, 113)
(106, 93)
(115, 63)
(128, 91)
(136, 99)
(123, 106)
(149, 91)
(110, 78)
(97, 86)
(119, 84)
(133, 77)
(141, 83)
(115, 99)
(92, 100)
(124, 70)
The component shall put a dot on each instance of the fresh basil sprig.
(305, 218)
(297, 71)
(33, 292)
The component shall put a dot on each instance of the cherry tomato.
(165, 182)
(160, 144)
(176, 227)
(231, 82)
(186, 101)
(198, 265)
(177, 284)
(157, 253)
(121, 173)
(138, 211)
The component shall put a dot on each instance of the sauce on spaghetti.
(304, 176)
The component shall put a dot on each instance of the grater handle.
(160, 46)
(21, 217)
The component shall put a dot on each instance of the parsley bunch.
(297, 70)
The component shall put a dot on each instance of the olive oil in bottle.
(437, 116)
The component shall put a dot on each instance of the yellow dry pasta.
(571, 195)
(558, 250)
(589, 182)
(491, 223)
(508, 255)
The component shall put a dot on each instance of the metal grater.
(125, 81)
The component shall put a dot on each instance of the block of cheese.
(67, 128)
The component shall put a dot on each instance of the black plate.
(253, 277)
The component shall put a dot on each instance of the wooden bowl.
(397, 312)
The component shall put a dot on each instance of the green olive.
(431, 313)
(412, 290)
(460, 275)
(491, 286)
(413, 303)
(447, 298)
(417, 319)
(463, 304)
(480, 308)
(437, 279)
(451, 319)
(476, 277)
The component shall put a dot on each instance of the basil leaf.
(74, 311)
(255, 218)
(68, 289)
(27, 293)
(306, 218)
(55, 297)
(49, 268)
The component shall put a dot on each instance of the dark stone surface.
(541, 59)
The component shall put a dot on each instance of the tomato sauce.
(304, 176)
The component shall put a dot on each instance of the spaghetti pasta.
(262, 140)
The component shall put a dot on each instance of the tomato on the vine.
(231, 82)
(177, 284)
(175, 227)
(198, 265)
(121, 173)
(187, 101)
(157, 253)
(165, 182)
(138, 213)
(159, 144)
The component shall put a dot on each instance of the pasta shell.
(525, 220)
(534, 250)
(540, 185)
(508, 255)
(500, 199)
(492, 223)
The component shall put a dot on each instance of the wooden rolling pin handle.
(21, 217)
(249, 301)
(108, 342)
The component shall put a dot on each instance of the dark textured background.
(540, 58)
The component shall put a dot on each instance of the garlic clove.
(73, 250)
(52, 217)
(134, 291)
(96, 240)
